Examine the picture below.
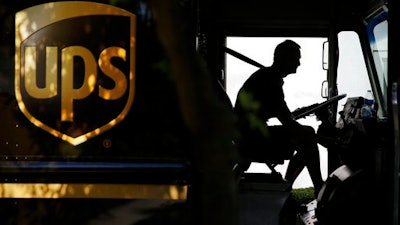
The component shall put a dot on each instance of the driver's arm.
(301, 132)
(293, 126)
(298, 131)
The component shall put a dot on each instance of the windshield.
(377, 30)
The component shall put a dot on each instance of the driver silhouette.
(260, 98)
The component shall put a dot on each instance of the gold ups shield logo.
(74, 67)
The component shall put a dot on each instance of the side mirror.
(325, 54)
(324, 89)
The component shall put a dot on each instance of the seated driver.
(261, 98)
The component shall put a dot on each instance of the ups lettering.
(68, 92)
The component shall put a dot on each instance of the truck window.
(352, 76)
(377, 30)
(114, 126)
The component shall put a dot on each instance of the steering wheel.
(311, 109)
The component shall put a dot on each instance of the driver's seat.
(253, 152)
(256, 150)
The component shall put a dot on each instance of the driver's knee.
(309, 129)
(308, 144)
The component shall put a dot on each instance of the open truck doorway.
(301, 89)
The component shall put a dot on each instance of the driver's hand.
(328, 142)
(298, 111)
(311, 106)
(302, 110)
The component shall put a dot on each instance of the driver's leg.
(295, 166)
(307, 151)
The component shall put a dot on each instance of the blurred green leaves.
(251, 107)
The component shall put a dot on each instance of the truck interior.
(354, 56)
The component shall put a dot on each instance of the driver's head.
(287, 57)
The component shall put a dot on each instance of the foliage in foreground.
(303, 195)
